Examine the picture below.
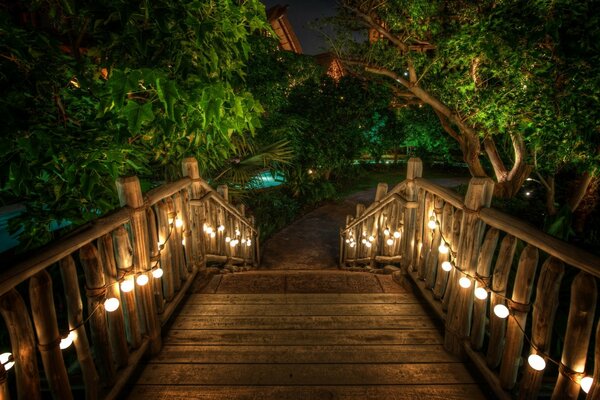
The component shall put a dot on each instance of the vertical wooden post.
(414, 170)
(484, 265)
(223, 190)
(458, 319)
(159, 298)
(519, 307)
(190, 250)
(431, 262)
(22, 340)
(68, 272)
(594, 393)
(116, 321)
(441, 278)
(130, 194)
(4, 392)
(44, 318)
(577, 338)
(177, 236)
(417, 246)
(124, 259)
(96, 294)
(190, 169)
(382, 189)
(499, 282)
(171, 274)
(451, 281)
(546, 303)
(427, 235)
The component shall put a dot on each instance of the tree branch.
(497, 164)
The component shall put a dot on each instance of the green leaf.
(168, 94)
(137, 115)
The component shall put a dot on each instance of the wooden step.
(306, 322)
(301, 298)
(378, 392)
(277, 354)
(303, 309)
(303, 337)
(306, 374)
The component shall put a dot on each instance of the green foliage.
(102, 89)
(273, 210)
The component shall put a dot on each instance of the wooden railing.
(131, 269)
(498, 303)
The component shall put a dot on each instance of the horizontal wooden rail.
(392, 193)
(47, 255)
(448, 195)
(564, 251)
(372, 211)
(215, 196)
(155, 195)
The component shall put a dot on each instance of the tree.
(94, 90)
(508, 80)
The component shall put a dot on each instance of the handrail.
(395, 190)
(384, 202)
(560, 249)
(448, 195)
(51, 253)
(215, 196)
(155, 195)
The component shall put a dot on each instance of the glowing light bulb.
(67, 341)
(368, 244)
(396, 234)
(352, 244)
(586, 383)
(536, 362)
(386, 231)
(209, 230)
(4, 357)
(178, 223)
(111, 304)
(390, 242)
(243, 241)
(213, 234)
(501, 311)
(170, 221)
(464, 282)
(183, 242)
(237, 232)
(127, 285)
(443, 248)
(371, 239)
(248, 242)
(204, 227)
(142, 280)
(481, 293)
(364, 234)
(158, 272)
(221, 228)
(363, 241)
(447, 266)
(227, 239)
(234, 243)
(347, 240)
(432, 224)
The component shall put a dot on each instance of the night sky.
(300, 14)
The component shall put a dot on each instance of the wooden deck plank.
(303, 322)
(308, 354)
(306, 374)
(304, 309)
(301, 298)
(379, 392)
(306, 337)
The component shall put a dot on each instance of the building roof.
(277, 17)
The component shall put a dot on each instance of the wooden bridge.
(125, 306)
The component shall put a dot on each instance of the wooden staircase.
(289, 344)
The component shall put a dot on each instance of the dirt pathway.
(312, 242)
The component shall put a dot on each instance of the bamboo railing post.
(519, 308)
(68, 272)
(499, 282)
(44, 318)
(130, 193)
(458, 318)
(431, 261)
(223, 190)
(546, 303)
(414, 170)
(170, 275)
(484, 265)
(178, 236)
(116, 321)
(4, 392)
(124, 259)
(381, 191)
(188, 241)
(417, 242)
(360, 209)
(441, 278)
(22, 340)
(175, 246)
(159, 298)
(96, 294)
(451, 280)
(426, 233)
(190, 168)
(594, 393)
(577, 338)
